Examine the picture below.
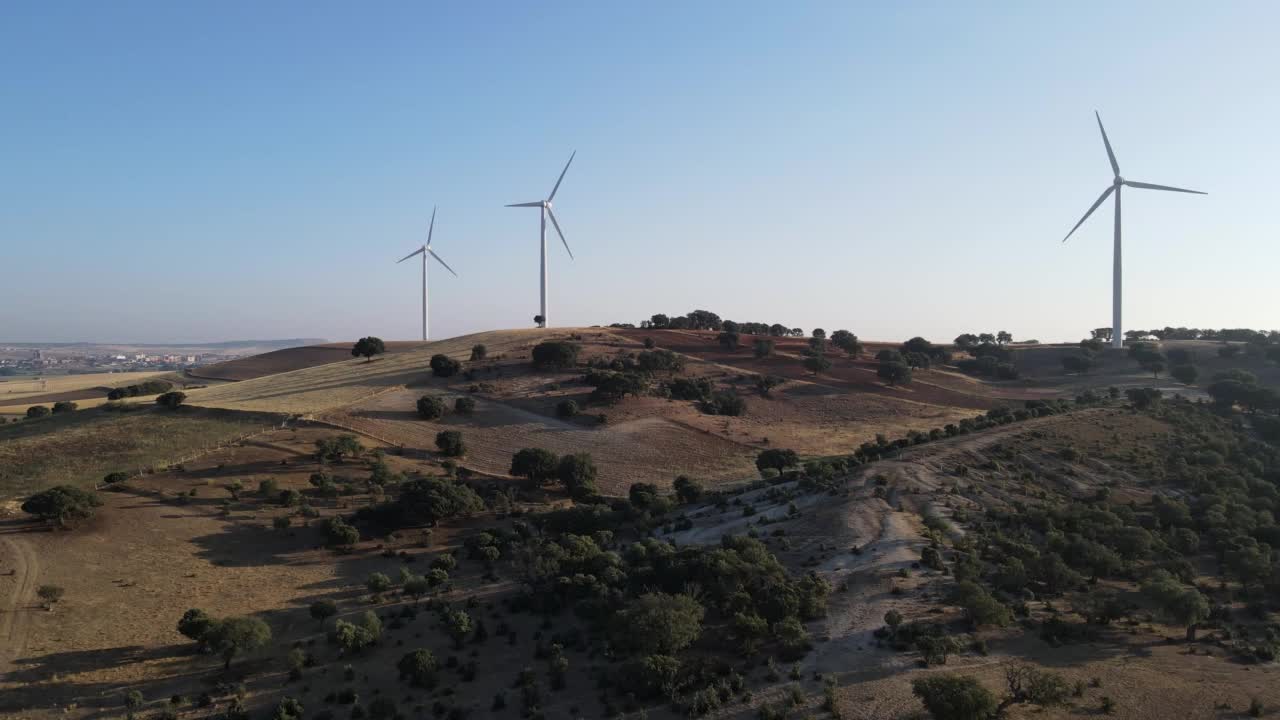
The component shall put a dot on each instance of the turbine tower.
(424, 251)
(545, 211)
(1117, 335)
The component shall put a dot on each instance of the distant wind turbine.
(545, 206)
(424, 251)
(1117, 335)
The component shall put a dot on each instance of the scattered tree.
(172, 399)
(537, 465)
(450, 443)
(64, 504)
(367, 347)
(431, 407)
(444, 366)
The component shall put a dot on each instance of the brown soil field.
(279, 361)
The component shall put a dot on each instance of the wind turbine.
(1117, 336)
(424, 251)
(545, 206)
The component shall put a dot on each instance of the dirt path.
(15, 618)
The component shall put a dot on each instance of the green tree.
(1176, 603)
(444, 366)
(323, 609)
(1186, 374)
(578, 473)
(658, 623)
(419, 668)
(64, 406)
(238, 635)
(847, 342)
(536, 465)
(337, 449)
(37, 411)
(954, 697)
(64, 504)
(195, 624)
(450, 444)
(555, 355)
(763, 348)
(338, 534)
(728, 340)
(354, 637)
(687, 489)
(816, 363)
(777, 459)
(894, 373)
(377, 583)
(367, 347)
(464, 405)
(458, 624)
(479, 352)
(431, 407)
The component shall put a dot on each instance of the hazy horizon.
(185, 174)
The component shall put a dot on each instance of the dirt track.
(19, 559)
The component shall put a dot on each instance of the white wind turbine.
(545, 206)
(1117, 335)
(424, 251)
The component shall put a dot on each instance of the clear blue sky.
(206, 171)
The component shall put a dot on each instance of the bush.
(450, 443)
(63, 504)
(64, 406)
(444, 366)
(430, 407)
(566, 409)
(37, 411)
(953, 697)
(555, 355)
(338, 534)
(464, 405)
(687, 490)
(115, 477)
(724, 402)
(171, 399)
(479, 352)
(419, 668)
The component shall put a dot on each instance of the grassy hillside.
(325, 387)
(80, 448)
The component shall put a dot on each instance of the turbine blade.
(1149, 186)
(445, 264)
(415, 252)
(562, 172)
(431, 228)
(531, 204)
(1105, 194)
(560, 233)
(1115, 166)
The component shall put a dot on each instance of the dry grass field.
(82, 447)
(88, 390)
(279, 361)
(325, 387)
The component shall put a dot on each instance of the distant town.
(18, 359)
